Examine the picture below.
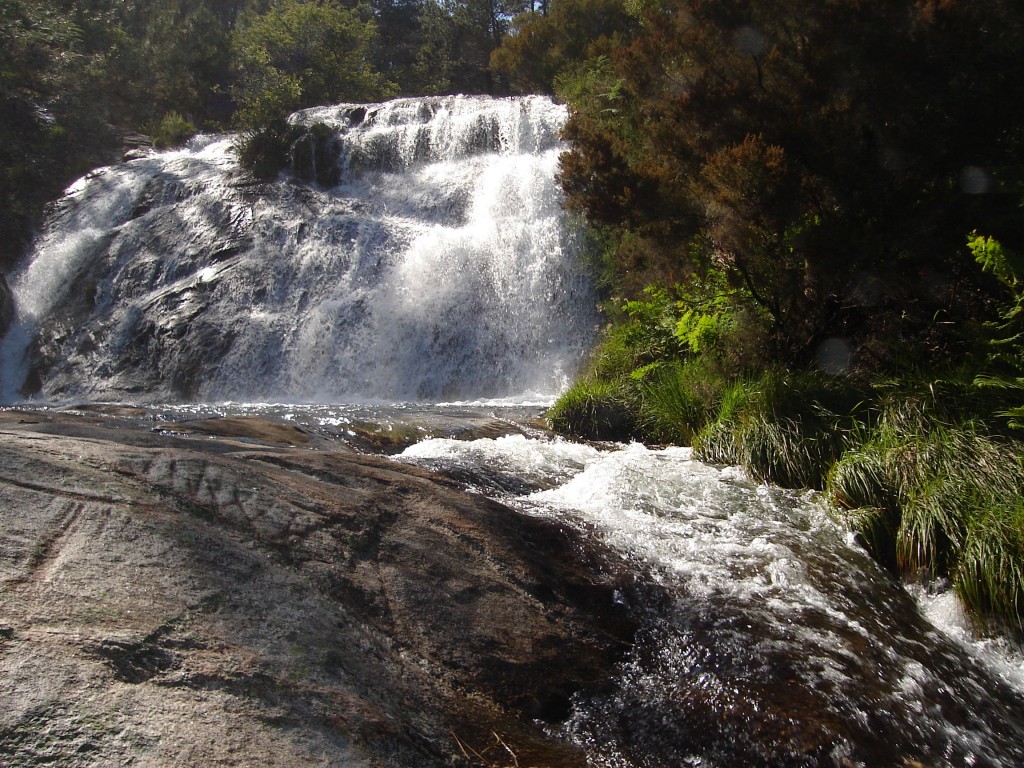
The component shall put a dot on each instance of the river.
(768, 635)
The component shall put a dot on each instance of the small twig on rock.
(515, 760)
(469, 753)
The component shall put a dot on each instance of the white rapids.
(770, 638)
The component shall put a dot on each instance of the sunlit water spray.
(440, 267)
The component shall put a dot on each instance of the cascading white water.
(768, 637)
(439, 267)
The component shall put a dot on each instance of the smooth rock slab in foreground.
(233, 600)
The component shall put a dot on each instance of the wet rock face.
(197, 599)
(6, 306)
(178, 277)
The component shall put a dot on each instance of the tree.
(399, 39)
(482, 25)
(50, 127)
(434, 69)
(542, 44)
(815, 152)
(185, 50)
(302, 53)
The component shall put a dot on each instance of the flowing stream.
(437, 269)
(769, 637)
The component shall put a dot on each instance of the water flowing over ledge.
(439, 267)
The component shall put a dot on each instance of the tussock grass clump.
(717, 442)
(932, 498)
(595, 410)
(989, 574)
(613, 359)
(782, 427)
(678, 400)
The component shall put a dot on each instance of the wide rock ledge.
(250, 599)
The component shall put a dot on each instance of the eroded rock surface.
(250, 599)
(6, 305)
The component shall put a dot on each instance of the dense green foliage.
(544, 46)
(827, 157)
(781, 194)
(45, 74)
(301, 54)
(298, 54)
(76, 76)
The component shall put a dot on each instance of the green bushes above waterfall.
(298, 54)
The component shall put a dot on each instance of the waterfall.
(431, 262)
(437, 265)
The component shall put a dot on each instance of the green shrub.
(1005, 348)
(173, 131)
(648, 333)
(673, 352)
(310, 152)
(595, 410)
(265, 152)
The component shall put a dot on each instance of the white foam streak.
(539, 462)
(945, 610)
(691, 522)
(98, 203)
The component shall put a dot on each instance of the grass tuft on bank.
(933, 496)
(595, 410)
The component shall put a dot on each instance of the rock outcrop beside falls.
(253, 599)
(6, 306)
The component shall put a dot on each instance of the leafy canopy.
(303, 53)
(829, 158)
